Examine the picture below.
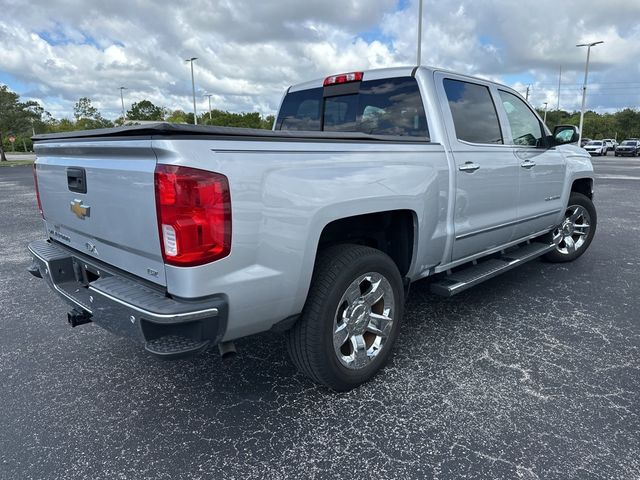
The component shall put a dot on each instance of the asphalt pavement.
(532, 375)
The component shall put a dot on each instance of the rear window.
(391, 106)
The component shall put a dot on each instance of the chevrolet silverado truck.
(184, 237)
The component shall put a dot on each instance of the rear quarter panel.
(283, 194)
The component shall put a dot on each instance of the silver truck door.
(541, 170)
(486, 173)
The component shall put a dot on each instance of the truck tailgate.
(98, 197)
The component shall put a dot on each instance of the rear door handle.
(528, 164)
(469, 167)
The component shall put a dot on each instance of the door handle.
(469, 167)
(528, 164)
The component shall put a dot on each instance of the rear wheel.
(574, 235)
(351, 318)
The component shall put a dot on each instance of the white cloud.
(250, 51)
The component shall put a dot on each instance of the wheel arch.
(393, 232)
(583, 186)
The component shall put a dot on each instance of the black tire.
(310, 341)
(561, 253)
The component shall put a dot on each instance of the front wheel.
(351, 318)
(574, 235)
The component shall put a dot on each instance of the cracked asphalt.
(531, 375)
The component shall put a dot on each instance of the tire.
(578, 227)
(340, 303)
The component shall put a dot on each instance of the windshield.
(390, 106)
(595, 144)
(629, 143)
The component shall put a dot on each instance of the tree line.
(22, 120)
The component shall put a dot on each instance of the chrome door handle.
(469, 167)
(528, 164)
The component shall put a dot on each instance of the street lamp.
(545, 113)
(584, 86)
(419, 55)
(209, 95)
(193, 88)
(122, 101)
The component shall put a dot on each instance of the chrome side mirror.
(563, 134)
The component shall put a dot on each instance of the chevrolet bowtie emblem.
(81, 211)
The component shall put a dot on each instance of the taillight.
(343, 78)
(35, 181)
(194, 215)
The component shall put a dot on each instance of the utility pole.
(559, 80)
(584, 85)
(545, 113)
(124, 115)
(209, 95)
(193, 88)
(419, 56)
(527, 94)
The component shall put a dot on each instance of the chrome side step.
(459, 281)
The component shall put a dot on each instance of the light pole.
(122, 101)
(193, 88)
(545, 113)
(209, 95)
(584, 86)
(419, 55)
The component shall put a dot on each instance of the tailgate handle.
(77, 179)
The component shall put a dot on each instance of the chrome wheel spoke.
(360, 357)
(581, 229)
(380, 325)
(340, 336)
(570, 244)
(576, 214)
(353, 293)
(375, 294)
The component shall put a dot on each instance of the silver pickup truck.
(184, 237)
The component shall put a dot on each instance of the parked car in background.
(610, 143)
(584, 141)
(596, 147)
(628, 148)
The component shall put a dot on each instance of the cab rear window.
(391, 106)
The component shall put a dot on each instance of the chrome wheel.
(363, 320)
(572, 234)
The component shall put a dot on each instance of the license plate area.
(85, 273)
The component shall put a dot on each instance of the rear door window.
(474, 115)
(391, 106)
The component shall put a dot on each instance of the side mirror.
(564, 134)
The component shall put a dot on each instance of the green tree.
(177, 116)
(145, 110)
(87, 116)
(20, 119)
(231, 119)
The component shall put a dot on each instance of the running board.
(459, 281)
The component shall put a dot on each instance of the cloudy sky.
(249, 51)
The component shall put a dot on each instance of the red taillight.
(35, 181)
(343, 78)
(194, 215)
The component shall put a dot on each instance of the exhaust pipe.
(78, 317)
(227, 349)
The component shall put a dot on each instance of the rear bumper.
(122, 305)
